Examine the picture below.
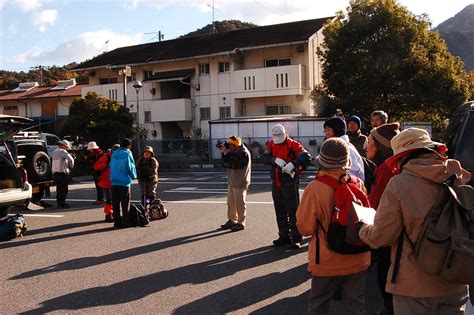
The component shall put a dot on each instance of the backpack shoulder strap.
(330, 181)
(398, 255)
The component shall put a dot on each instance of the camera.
(221, 143)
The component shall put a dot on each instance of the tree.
(381, 56)
(96, 118)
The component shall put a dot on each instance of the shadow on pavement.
(62, 227)
(137, 288)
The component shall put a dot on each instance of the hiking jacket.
(357, 164)
(317, 205)
(147, 170)
(103, 166)
(122, 168)
(292, 152)
(359, 141)
(383, 174)
(405, 203)
(239, 166)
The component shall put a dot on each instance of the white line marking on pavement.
(40, 215)
(179, 201)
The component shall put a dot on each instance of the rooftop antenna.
(158, 35)
(213, 30)
(106, 42)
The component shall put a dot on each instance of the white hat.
(66, 143)
(92, 145)
(278, 134)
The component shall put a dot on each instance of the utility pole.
(40, 68)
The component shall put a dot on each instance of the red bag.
(342, 234)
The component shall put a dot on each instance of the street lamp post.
(137, 85)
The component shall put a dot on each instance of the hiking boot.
(237, 227)
(228, 225)
(281, 241)
(109, 218)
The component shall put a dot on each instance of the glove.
(280, 162)
(289, 169)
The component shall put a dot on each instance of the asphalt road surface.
(71, 261)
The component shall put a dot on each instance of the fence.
(205, 151)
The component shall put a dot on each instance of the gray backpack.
(445, 245)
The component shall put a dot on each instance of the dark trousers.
(62, 187)
(383, 264)
(121, 200)
(99, 190)
(324, 288)
(286, 200)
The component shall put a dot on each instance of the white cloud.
(11, 29)
(45, 17)
(130, 4)
(85, 46)
(28, 5)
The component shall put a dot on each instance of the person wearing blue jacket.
(122, 172)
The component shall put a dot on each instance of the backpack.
(12, 227)
(157, 210)
(445, 245)
(342, 236)
(138, 215)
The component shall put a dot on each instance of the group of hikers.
(400, 174)
(397, 173)
(113, 172)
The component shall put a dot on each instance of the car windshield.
(465, 144)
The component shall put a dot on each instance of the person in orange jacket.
(102, 166)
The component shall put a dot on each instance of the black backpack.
(12, 227)
(138, 215)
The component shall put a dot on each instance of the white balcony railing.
(171, 110)
(271, 81)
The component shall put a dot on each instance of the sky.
(57, 32)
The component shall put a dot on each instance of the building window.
(277, 62)
(133, 77)
(224, 67)
(147, 74)
(204, 69)
(147, 116)
(10, 107)
(205, 113)
(272, 110)
(224, 112)
(108, 80)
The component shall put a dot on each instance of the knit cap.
(278, 134)
(383, 134)
(337, 124)
(356, 119)
(334, 154)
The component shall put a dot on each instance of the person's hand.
(289, 169)
(280, 162)
(223, 149)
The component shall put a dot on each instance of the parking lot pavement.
(72, 261)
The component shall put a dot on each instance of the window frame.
(224, 67)
(206, 110)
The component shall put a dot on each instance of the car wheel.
(38, 166)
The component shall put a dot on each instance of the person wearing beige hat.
(422, 167)
(62, 165)
(147, 174)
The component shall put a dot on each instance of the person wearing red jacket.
(94, 153)
(102, 166)
(287, 157)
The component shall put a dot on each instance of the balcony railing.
(171, 110)
(271, 81)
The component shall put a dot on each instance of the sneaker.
(281, 241)
(97, 202)
(109, 218)
(296, 244)
(237, 227)
(228, 225)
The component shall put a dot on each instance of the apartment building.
(258, 72)
(47, 105)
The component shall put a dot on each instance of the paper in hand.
(364, 214)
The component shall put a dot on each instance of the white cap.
(66, 143)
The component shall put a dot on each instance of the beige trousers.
(440, 305)
(236, 208)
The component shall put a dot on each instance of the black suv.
(460, 137)
(28, 150)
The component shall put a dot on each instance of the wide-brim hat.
(410, 140)
(65, 143)
(92, 146)
(234, 140)
(149, 149)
